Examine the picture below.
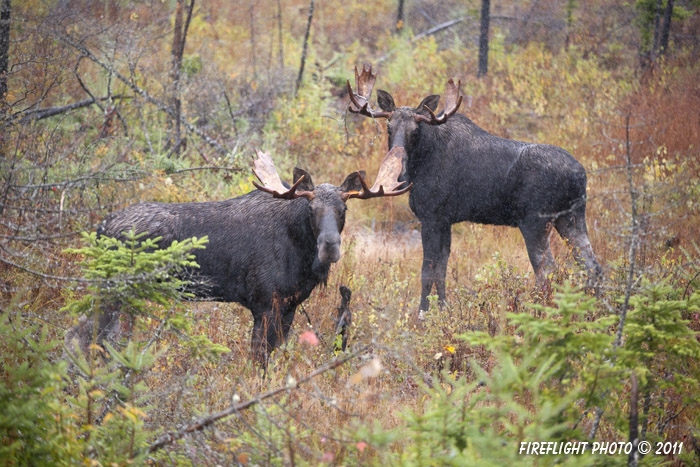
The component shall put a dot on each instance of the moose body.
(461, 172)
(267, 249)
(262, 251)
(478, 177)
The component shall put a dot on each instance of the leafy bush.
(101, 417)
(558, 365)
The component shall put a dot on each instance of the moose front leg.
(271, 328)
(287, 320)
(437, 239)
(267, 328)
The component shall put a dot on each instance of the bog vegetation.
(105, 104)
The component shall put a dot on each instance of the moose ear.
(385, 101)
(430, 102)
(352, 182)
(307, 184)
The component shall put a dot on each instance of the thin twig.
(171, 437)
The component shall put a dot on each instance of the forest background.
(107, 103)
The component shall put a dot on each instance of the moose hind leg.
(436, 239)
(536, 235)
(82, 335)
(572, 228)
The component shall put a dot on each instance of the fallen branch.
(39, 114)
(429, 32)
(171, 437)
(438, 28)
(215, 168)
(142, 92)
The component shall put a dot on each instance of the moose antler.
(387, 182)
(359, 102)
(453, 100)
(267, 173)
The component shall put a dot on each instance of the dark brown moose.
(461, 173)
(267, 249)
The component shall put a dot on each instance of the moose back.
(463, 173)
(267, 249)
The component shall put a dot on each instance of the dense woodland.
(104, 104)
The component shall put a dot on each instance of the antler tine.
(359, 101)
(356, 106)
(453, 99)
(387, 182)
(264, 169)
(287, 193)
(365, 80)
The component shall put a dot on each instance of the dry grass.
(489, 273)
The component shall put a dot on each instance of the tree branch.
(171, 437)
(39, 114)
(141, 92)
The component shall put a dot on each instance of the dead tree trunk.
(570, 6)
(399, 17)
(655, 41)
(663, 45)
(4, 52)
(484, 38)
(178, 49)
(303, 51)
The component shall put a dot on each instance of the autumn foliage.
(88, 127)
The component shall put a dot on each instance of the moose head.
(403, 123)
(327, 202)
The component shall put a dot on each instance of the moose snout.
(329, 248)
(404, 159)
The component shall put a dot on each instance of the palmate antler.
(387, 182)
(267, 173)
(359, 102)
(453, 100)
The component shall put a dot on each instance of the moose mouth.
(329, 253)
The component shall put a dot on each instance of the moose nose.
(329, 248)
(402, 175)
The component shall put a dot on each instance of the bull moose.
(460, 172)
(268, 249)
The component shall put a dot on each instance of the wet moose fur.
(461, 173)
(267, 249)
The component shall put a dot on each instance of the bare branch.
(171, 437)
(141, 92)
(39, 114)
